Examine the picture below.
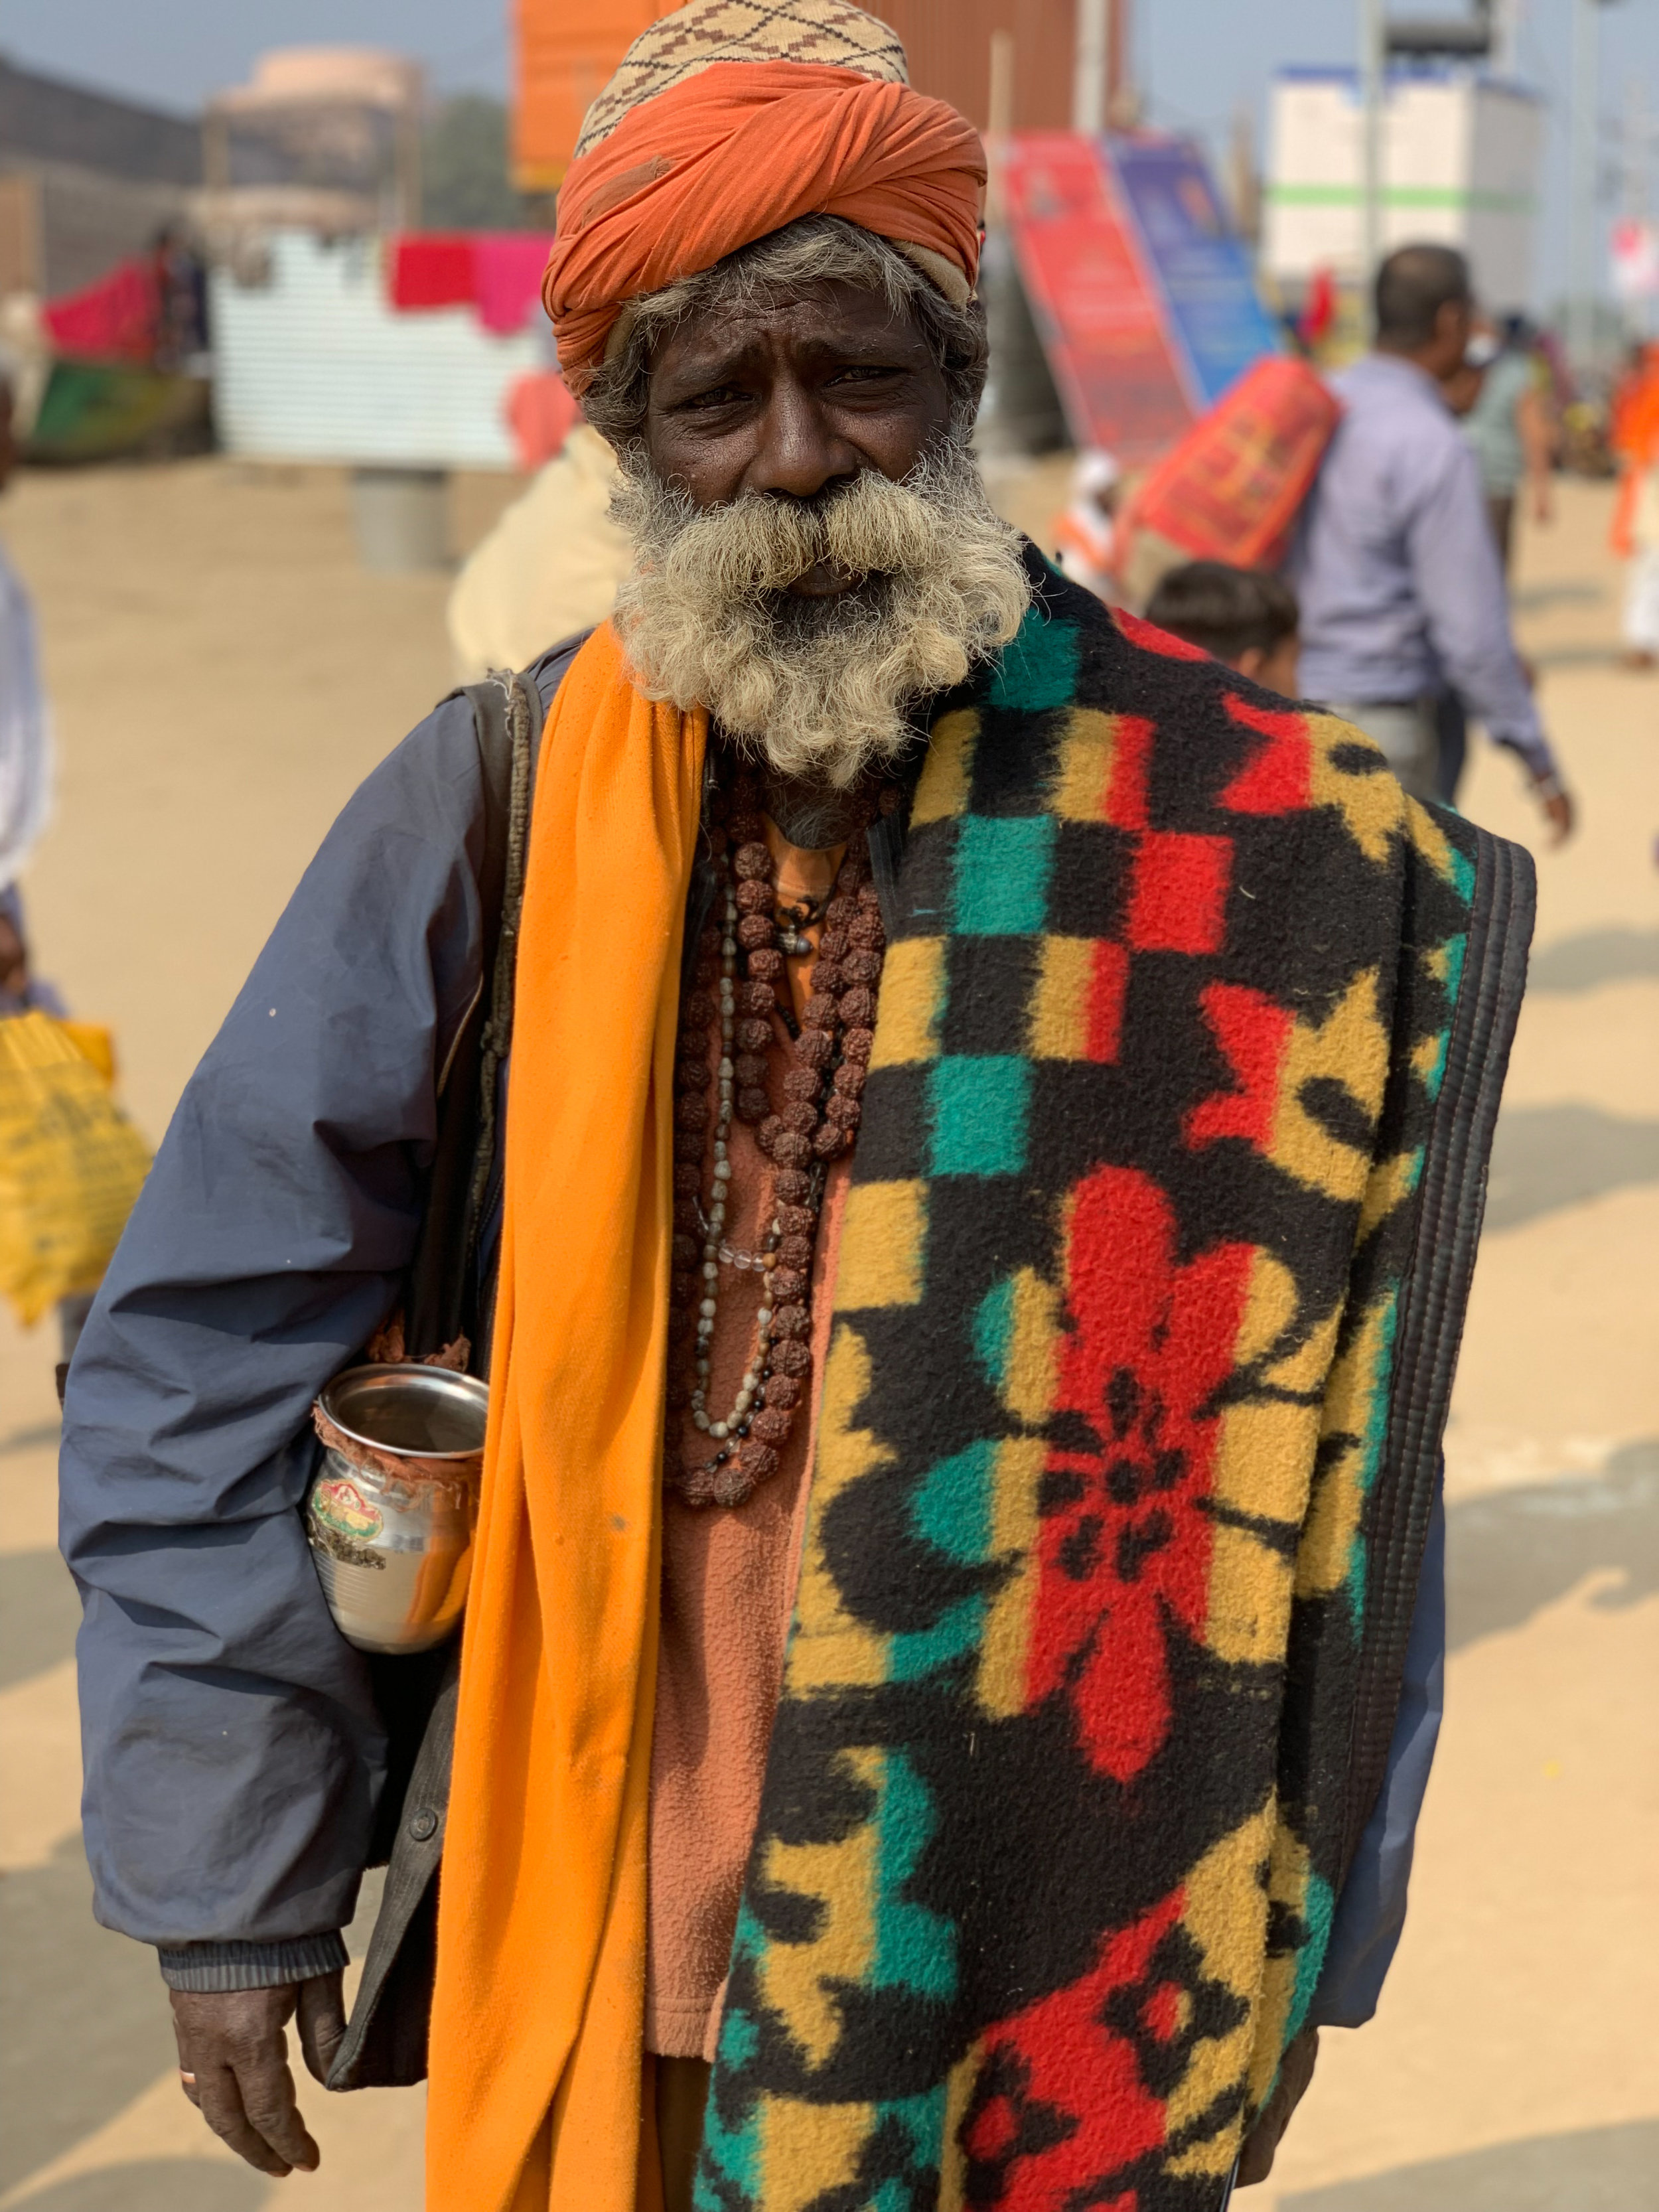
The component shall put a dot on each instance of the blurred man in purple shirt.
(1402, 592)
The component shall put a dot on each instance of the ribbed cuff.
(1535, 751)
(214, 1967)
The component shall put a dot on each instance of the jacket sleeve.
(232, 1748)
(1460, 585)
(1371, 1913)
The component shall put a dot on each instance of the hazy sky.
(1198, 59)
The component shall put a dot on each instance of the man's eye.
(865, 372)
(718, 395)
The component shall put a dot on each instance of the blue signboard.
(1195, 260)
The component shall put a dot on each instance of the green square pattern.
(978, 1110)
(1037, 669)
(1003, 863)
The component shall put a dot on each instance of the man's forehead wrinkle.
(726, 338)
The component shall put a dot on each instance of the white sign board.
(1459, 159)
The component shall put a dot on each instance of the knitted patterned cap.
(708, 31)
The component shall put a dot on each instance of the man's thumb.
(321, 2021)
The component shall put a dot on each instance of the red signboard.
(1098, 312)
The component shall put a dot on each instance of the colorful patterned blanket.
(1153, 1266)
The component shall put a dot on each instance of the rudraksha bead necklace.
(817, 1122)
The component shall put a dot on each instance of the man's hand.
(1255, 2161)
(232, 2064)
(1556, 803)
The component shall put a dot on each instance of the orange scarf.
(538, 2017)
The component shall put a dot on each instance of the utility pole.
(1633, 152)
(1094, 40)
(1504, 16)
(1582, 286)
(1635, 197)
(1373, 88)
(1001, 119)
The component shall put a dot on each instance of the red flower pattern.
(1124, 1547)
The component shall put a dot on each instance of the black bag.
(448, 1298)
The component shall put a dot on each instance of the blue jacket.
(234, 1753)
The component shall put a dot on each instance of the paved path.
(223, 675)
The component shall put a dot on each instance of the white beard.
(820, 688)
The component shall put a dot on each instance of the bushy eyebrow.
(894, 345)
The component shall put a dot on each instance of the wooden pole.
(1092, 67)
(1373, 32)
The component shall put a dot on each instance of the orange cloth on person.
(1636, 442)
(735, 152)
(538, 2014)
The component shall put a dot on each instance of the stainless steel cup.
(391, 1513)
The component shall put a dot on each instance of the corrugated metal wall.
(315, 366)
(949, 43)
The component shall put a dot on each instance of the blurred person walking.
(1513, 428)
(548, 569)
(1086, 531)
(1498, 391)
(1636, 522)
(181, 300)
(24, 750)
(25, 801)
(1396, 564)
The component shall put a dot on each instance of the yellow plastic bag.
(71, 1164)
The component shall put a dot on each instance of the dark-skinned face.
(792, 400)
(1452, 326)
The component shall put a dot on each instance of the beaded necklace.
(736, 997)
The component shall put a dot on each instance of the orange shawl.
(536, 2022)
(1636, 441)
(735, 152)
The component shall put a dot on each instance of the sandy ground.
(223, 674)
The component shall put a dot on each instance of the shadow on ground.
(1596, 957)
(85, 2029)
(1576, 656)
(85, 2025)
(39, 1613)
(1511, 1553)
(157, 2184)
(43, 1432)
(1548, 1156)
(1594, 2170)
(1566, 592)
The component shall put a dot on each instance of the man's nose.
(800, 450)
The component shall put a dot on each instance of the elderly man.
(994, 1133)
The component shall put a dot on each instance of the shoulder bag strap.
(442, 1301)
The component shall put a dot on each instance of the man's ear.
(1251, 662)
(1452, 324)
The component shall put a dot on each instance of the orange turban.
(736, 152)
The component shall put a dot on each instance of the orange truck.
(568, 48)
